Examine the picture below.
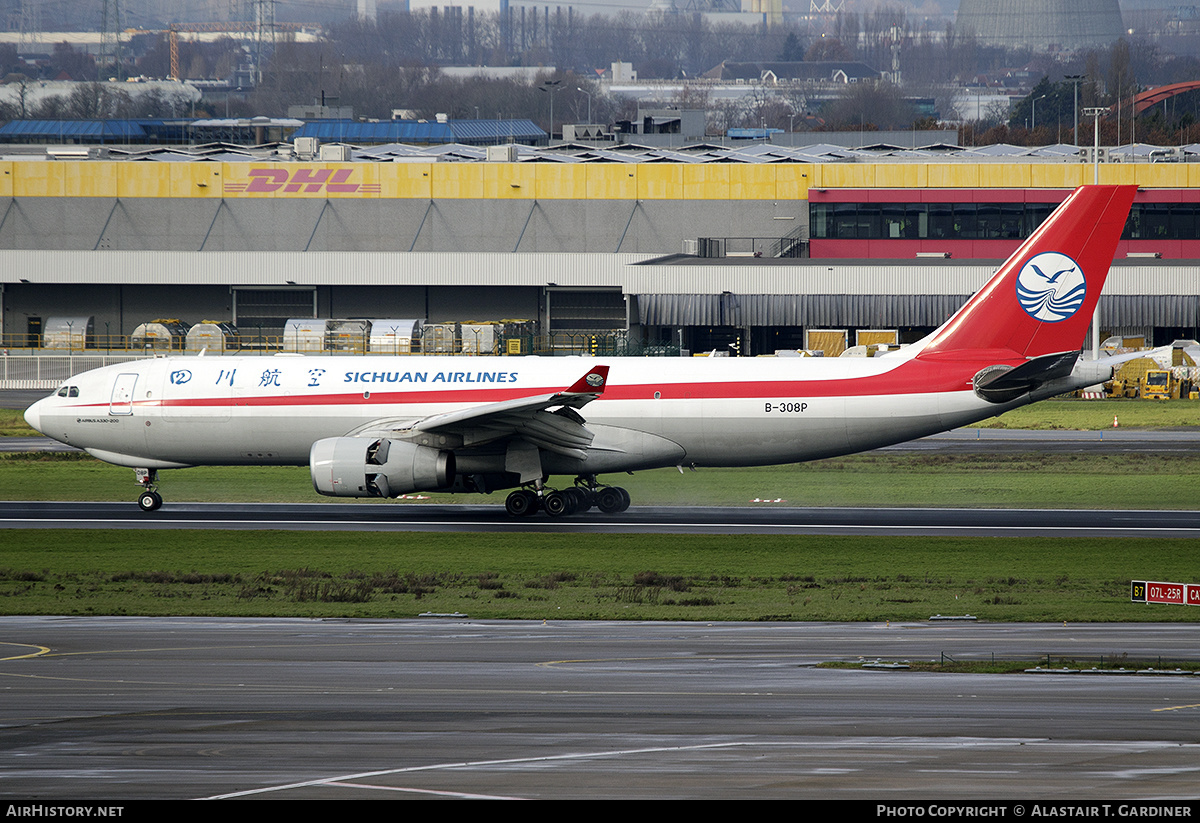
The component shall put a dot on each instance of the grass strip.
(1096, 415)
(610, 577)
(1043, 480)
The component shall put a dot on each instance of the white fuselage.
(186, 411)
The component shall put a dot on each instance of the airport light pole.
(1075, 78)
(551, 87)
(589, 97)
(1033, 117)
(1095, 114)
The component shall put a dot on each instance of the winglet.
(591, 383)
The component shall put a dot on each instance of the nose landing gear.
(149, 500)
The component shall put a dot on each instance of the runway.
(1105, 441)
(126, 708)
(399, 517)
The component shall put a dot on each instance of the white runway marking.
(526, 525)
(905, 745)
(409, 789)
(344, 780)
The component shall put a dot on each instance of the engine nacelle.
(367, 467)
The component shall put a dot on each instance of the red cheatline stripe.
(908, 378)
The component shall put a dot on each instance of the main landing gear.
(564, 502)
(149, 500)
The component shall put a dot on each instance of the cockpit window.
(68, 391)
(62, 392)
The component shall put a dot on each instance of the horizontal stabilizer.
(1000, 384)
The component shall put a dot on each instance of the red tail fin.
(1042, 299)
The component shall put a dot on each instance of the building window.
(982, 221)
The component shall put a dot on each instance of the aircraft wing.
(1161, 355)
(561, 431)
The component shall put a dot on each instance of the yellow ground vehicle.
(1156, 385)
(1151, 380)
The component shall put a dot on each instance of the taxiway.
(126, 708)
(399, 517)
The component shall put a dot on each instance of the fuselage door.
(122, 394)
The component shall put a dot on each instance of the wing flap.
(528, 418)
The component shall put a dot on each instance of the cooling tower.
(1042, 24)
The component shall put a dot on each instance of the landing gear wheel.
(521, 503)
(559, 503)
(612, 500)
(584, 498)
(149, 501)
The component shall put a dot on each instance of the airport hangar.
(584, 248)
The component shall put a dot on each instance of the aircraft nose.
(33, 415)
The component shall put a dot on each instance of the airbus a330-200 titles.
(388, 426)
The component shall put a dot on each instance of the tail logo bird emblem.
(1051, 287)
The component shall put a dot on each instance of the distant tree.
(870, 106)
(156, 102)
(1053, 104)
(827, 49)
(691, 97)
(93, 101)
(22, 102)
(792, 49)
(10, 61)
(996, 134)
(77, 65)
(846, 27)
(50, 107)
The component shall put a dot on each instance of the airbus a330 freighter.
(387, 426)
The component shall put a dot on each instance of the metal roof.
(478, 132)
(124, 130)
(91, 130)
(466, 141)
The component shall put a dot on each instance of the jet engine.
(366, 467)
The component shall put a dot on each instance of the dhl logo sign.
(300, 181)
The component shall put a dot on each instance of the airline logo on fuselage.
(1051, 287)
(430, 377)
(300, 181)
